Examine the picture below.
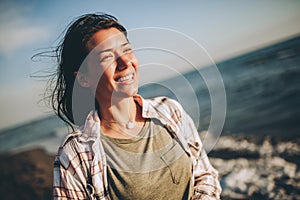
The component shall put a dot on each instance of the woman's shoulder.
(165, 104)
(72, 147)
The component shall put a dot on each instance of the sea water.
(262, 91)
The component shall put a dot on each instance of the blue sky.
(223, 29)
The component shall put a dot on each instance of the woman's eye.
(105, 58)
(127, 50)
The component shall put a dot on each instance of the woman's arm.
(65, 184)
(206, 179)
(78, 172)
(70, 174)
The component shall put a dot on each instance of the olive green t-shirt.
(151, 165)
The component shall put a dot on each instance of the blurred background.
(255, 46)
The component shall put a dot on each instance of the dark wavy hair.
(70, 53)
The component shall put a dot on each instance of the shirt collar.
(91, 129)
(148, 110)
(152, 108)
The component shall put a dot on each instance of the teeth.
(125, 78)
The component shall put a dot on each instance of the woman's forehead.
(106, 39)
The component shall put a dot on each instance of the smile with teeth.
(125, 78)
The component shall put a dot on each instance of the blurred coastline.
(257, 154)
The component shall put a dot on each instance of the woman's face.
(112, 67)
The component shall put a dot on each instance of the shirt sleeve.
(69, 176)
(206, 178)
(66, 185)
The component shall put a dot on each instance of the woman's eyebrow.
(103, 51)
(126, 43)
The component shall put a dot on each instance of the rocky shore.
(249, 167)
(258, 167)
(26, 175)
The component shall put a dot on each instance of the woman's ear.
(82, 79)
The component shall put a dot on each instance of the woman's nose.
(123, 61)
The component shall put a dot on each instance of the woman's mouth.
(128, 77)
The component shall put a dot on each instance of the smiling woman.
(118, 66)
(128, 147)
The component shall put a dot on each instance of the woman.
(128, 147)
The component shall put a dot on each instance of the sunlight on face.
(112, 65)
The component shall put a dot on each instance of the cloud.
(18, 30)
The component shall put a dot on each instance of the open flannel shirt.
(80, 165)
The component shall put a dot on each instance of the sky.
(215, 29)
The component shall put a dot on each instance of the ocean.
(262, 91)
(262, 98)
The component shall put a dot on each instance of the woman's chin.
(125, 94)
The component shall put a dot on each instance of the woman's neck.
(121, 118)
(118, 110)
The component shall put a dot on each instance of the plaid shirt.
(80, 165)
